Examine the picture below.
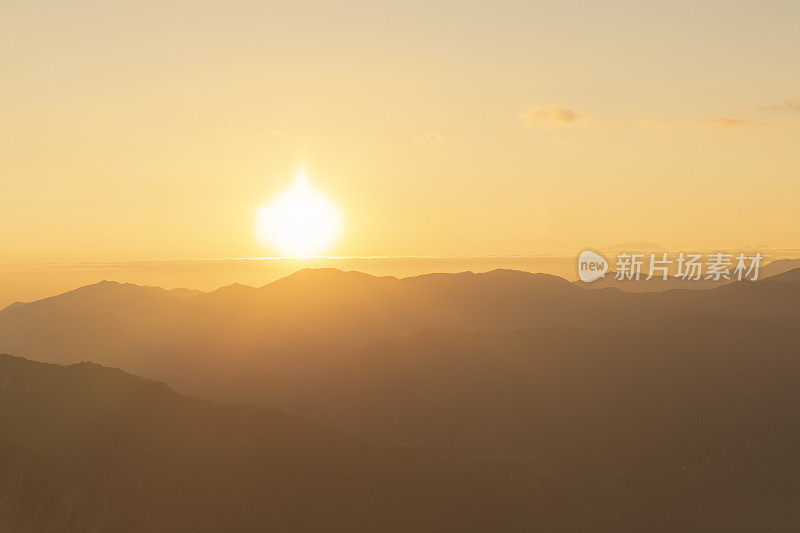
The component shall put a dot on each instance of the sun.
(300, 222)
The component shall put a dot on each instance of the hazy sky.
(154, 130)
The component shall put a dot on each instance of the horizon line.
(565, 254)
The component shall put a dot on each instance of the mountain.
(657, 284)
(789, 276)
(295, 325)
(779, 266)
(557, 429)
(229, 330)
(529, 390)
(88, 448)
(688, 425)
(580, 409)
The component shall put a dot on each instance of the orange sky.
(156, 130)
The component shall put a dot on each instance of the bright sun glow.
(300, 222)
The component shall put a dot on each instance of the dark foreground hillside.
(689, 424)
(88, 448)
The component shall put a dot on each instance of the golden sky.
(155, 130)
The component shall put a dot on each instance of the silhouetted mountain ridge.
(88, 448)
(238, 329)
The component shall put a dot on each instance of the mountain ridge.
(87, 448)
(328, 275)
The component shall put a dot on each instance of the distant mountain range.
(599, 409)
(157, 333)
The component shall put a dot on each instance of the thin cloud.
(432, 137)
(274, 133)
(551, 114)
(791, 105)
(707, 124)
(728, 122)
(733, 123)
